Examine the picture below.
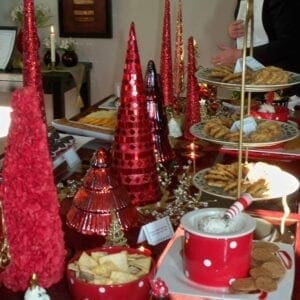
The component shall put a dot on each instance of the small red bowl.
(135, 290)
(281, 113)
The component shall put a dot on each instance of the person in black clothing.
(279, 23)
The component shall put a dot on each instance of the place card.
(249, 125)
(251, 62)
(156, 232)
(71, 158)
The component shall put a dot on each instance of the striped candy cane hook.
(238, 206)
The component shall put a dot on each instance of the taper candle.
(52, 44)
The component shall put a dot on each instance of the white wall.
(205, 20)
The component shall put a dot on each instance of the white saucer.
(171, 271)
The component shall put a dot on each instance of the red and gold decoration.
(160, 131)
(192, 111)
(32, 74)
(30, 201)
(166, 59)
(133, 154)
(179, 55)
(99, 197)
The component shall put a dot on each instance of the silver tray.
(203, 75)
(289, 132)
(283, 185)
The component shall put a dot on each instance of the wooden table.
(56, 83)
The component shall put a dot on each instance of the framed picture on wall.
(85, 18)
(7, 43)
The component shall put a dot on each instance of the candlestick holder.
(47, 60)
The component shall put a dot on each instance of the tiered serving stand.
(289, 183)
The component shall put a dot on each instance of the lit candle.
(193, 157)
(52, 44)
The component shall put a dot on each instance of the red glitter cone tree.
(133, 154)
(99, 197)
(158, 117)
(179, 56)
(166, 59)
(32, 74)
(192, 111)
(30, 199)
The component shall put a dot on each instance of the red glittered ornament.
(166, 59)
(192, 112)
(100, 195)
(133, 153)
(157, 114)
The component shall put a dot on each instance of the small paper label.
(249, 125)
(251, 62)
(71, 158)
(156, 232)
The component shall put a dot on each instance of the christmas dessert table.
(269, 211)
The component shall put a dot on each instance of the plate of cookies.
(267, 133)
(271, 275)
(261, 180)
(264, 80)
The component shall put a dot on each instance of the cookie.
(275, 269)
(244, 285)
(262, 254)
(258, 271)
(265, 284)
(267, 245)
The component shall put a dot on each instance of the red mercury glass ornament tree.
(192, 111)
(160, 131)
(133, 149)
(99, 197)
(166, 59)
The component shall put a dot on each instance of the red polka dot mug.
(216, 250)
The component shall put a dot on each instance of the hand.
(227, 56)
(236, 29)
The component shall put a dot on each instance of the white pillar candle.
(52, 44)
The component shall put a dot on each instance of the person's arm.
(282, 24)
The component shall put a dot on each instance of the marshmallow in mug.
(218, 224)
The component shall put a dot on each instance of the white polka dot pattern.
(233, 245)
(207, 263)
(231, 280)
(141, 284)
(102, 290)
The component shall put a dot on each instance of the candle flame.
(52, 29)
